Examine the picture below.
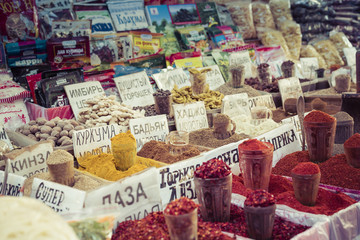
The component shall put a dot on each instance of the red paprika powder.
(353, 141)
(319, 117)
(306, 168)
(255, 145)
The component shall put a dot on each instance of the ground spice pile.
(306, 168)
(160, 151)
(353, 141)
(327, 202)
(318, 117)
(205, 137)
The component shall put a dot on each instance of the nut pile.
(58, 130)
(104, 110)
(255, 83)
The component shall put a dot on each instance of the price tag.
(4, 137)
(135, 89)
(241, 58)
(190, 117)
(60, 198)
(214, 77)
(13, 185)
(167, 80)
(149, 128)
(80, 92)
(290, 88)
(30, 160)
(236, 105)
(95, 140)
(308, 66)
(263, 100)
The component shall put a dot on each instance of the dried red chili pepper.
(318, 117)
(306, 168)
(353, 141)
(180, 206)
(254, 145)
(213, 168)
(259, 198)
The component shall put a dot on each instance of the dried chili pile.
(306, 168)
(327, 202)
(318, 117)
(353, 141)
(260, 198)
(213, 168)
(334, 171)
(180, 206)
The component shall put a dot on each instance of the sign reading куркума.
(190, 116)
(135, 89)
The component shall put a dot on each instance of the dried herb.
(213, 168)
(180, 206)
(260, 198)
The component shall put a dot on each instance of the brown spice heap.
(318, 117)
(205, 137)
(160, 151)
(318, 104)
(227, 89)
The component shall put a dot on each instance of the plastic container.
(342, 83)
(344, 127)
(320, 139)
(352, 156)
(238, 76)
(255, 167)
(306, 188)
(288, 69)
(264, 73)
(261, 112)
(214, 195)
(182, 226)
(178, 141)
(163, 104)
(260, 221)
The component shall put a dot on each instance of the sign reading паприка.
(80, 92)
(214, 77)
(4, 137)
(13, 185)
(95, 140)
(190, 116)
(135, 89)
(59, 197)
(149, 128)
(236, 105)
(30, 160)
(263, 100)
(167, 80)
(289, 88)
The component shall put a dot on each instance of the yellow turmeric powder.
(123, 147)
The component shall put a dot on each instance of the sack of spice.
(329, 52)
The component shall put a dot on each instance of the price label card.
(80, 92)
(4, 137)
(167, 80)
(60, 198)
(214, 77)
(275, 68)
(308, 66)
(289, 88)
(190, 117)
(30, 160)
(13, 185)
(263, 100)
(241, 58)
(149, 128)
(95, 140)
(135, 89)
(236, 105)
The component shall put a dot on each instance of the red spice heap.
(213, 168)
(306, 168)
(353, 141)
(180, 206)
(254, 144)
(319, 117)
(260, 198)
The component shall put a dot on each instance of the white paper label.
(13, 114)
(167, 80)
(263, 100)
(214, 77)
(350, 55)
(32, 160)
(275, 68)
(308, 66)
(13, 185)
(95, 140)
(290, 88)
(149, 128)
(241, 58)
(80, 92)
(334, 74)
(236, 105)
(135, 89)
(190, 117)
(4, 137)
(60, 198)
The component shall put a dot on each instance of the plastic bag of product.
(308, 51)
(224, 15)
(262, 15)
(329, 52)
(292, 34)
(280, 10)
(271, 37)
(340, 41)
(241, 13)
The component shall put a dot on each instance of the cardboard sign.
(263, 100)
(176, 180)
(135, 89)
(295, 121)
(80, 92)
(149, 128)
(241, 58)
(30, 160)
(131, 193)
(214, 77)
(289, 88)
(350, 55)
(308, 66)
(60, 198)
(190, 117)
(275, 68)
(284, 139)
(13, 185)
(236, 105)
(167, 80)
(4, 137)
(95, 140)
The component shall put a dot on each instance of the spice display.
(263, 86)
(329, 52)
(104, 110)
(306, 168)
(123, 148)
(228, 89)
(318, 117)
(308, 51)
(163, 101)
(342, 83)
(160, 151)
(61, 167)
(205, 137)
(224, 127)
(180, 206)
(58, 130)
(353, 141)
(212, 99)
(259, 198)
(318, 104)
(213, 168)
